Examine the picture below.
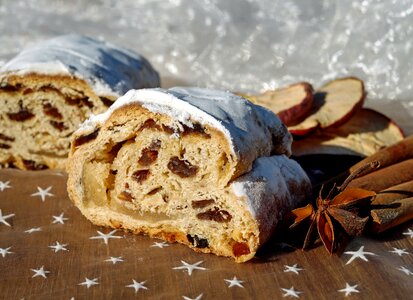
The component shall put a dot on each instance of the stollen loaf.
(201, 167)
(47, 90)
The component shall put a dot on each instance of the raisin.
(150, 154)
(190, 239)
(58, 125)
(48, 89)
(150, 124)
(71, 101)
(182, 168)
(10, 88)
(27, 91)
(197, 242)
(32, 165)
(86, 138)
(140, 176)
(4, 146)
(106, 101)
(154, 191)
(22, 115)
(196, 129)
(215, 214)
(6, 138)
(85, 101)
(51, 111)
(201, 243)
(126, 196)
(168, 129)
(239, 249)
(202, 203)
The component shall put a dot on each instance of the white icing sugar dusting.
(275, 185)
(252, 130)
(110, 70)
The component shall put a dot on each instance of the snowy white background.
(242, 45)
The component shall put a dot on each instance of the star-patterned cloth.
(48, 248)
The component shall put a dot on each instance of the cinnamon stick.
(391, 155)
(400, 191)
(397, 213)
(386, 177)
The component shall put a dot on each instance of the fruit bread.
(201, 167)
(47, 90)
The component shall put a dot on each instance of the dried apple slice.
(364, 134)
(334, 103)
(292, 104)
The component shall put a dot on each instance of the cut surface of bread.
(48, 90)
(201, 167)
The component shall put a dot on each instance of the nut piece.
(215, 214)
(182, 168)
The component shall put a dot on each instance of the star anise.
(336, 216)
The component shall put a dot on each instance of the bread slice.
(201, 167)
(46, 91)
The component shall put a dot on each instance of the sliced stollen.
(47, 90)
(202, 167)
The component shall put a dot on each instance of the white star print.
(234, 282)
(4, 185)
(349, 289)
(137, 285)
(399, 252)
(409, 232)
(160, 245)
(4, 218)
(59, 247)
(190, 267)
(34, 229)
(360, 253)
(292, 268)
(114, 260)
(59, 219)
(43, 193)
(106, 237)
(5, 251)
(291, 292)
(40, 272)
(89, 282)
(405, 270)
(197, 298)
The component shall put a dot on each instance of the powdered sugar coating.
(252, 130)
(110, 70)
(275, 177)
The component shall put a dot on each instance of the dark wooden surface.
(263, 278)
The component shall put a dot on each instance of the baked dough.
(201, 167)
(46, 91)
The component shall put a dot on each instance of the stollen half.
(47, 90)
(202, 167)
